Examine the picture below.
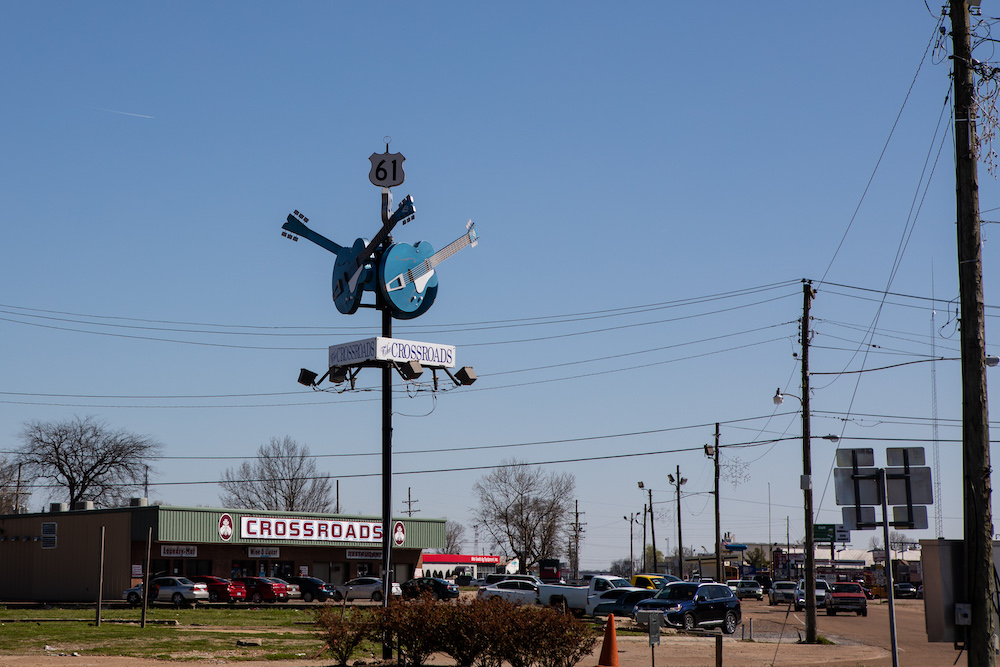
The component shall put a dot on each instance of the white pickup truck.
(581, 599)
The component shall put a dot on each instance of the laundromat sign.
(309, 530)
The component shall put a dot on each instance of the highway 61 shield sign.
(387, 169)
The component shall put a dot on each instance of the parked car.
(822, 589)
(294, 593)
(732, 584)
(749, 588)
(765, 582)
(652, 580)
(621, 601)
(261, 589)
(439, 588)
(846, 596)
(362, 588)
(313, 588)
(512, 590)
(497, 577)
(168, 589)
(222, 590)
(464, 579)
(904, 590)
(868, 592)
(691, 605)
(920, 592)
(781, 592)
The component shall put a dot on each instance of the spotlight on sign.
(338, 374)
(307, 377)
(410, 370)
(464, 376)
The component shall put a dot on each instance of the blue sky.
(650, 183)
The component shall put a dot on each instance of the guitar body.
(346, 297)
(408, 298)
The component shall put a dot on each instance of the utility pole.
(575, 539)
(652, 531)
(680, 537)
(808, 550)
(409, 503)
(718, 524)
(978, 516)
(644, 510)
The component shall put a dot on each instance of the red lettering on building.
(280, 528)
(323, 530)
(265, 528)
(293, 529)
(350, 532)
(309, 529)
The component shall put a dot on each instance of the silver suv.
(822, 590)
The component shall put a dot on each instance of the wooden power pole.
(980, 589)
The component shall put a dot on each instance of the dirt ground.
(767, 637)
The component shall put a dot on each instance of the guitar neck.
(404, 213)
(441, 255)
(296, 227)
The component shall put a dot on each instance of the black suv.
(693, 605)
(439, 588)
(313, 588)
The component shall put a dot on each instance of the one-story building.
(57, 555)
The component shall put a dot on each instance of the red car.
(260, 589)
(223, 590)
(846, 596)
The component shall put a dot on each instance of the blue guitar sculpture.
(406, 276)
(352, 273)
(351, 262)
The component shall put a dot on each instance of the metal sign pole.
(888, 567)
(386, 467)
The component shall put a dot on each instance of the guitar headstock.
(405, 212)
(293, 220)
(473, 237)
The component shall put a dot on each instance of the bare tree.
(283, 477)
(86, 458)
(525, 510)
(454, 536)
(9, 491)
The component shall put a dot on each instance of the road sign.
(831, 532)
(387, 169)
(850, 518)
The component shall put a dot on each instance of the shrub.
(417, 629)
(474, 630)
(344, 631)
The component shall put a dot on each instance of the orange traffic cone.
(609, 651)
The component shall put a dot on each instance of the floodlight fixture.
(464, 376)
(338, 374)
(307, 377)
(409, 370)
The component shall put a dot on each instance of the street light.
(805, 483)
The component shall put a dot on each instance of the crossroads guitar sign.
(403, 276)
